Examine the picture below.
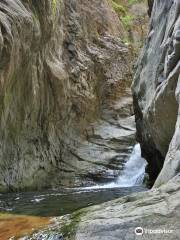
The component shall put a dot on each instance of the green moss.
(127, 21)
(131, 2)
(126, 40)
(61, 4)
(69, 229)
(7, 99)
(122, 12)
(119, 9)
(54, 7)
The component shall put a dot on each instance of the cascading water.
(133, 173)
(47, 203)
(134, 170)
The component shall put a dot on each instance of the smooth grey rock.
(154, 87)
(156, 211)
(156, 90)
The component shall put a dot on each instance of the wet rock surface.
(20, 225)
(156, 211)
(70, 143)
(156, 103)
(109, 141)
(29, 212)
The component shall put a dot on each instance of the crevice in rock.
(149, 151)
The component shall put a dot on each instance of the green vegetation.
(119, 9)
(127, 21)
(128, 17)
(69, 228)
(123, 14)
(54, 6)
(131, 2)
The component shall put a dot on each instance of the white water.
(134, 170)
(133, 173)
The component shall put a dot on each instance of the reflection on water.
(28, 209)
(61, 202)
(56, 203)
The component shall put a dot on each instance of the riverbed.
(25, 212)
(118, 170)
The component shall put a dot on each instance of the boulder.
(155, 89)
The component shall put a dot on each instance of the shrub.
(127, 21)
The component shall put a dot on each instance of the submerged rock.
(155, 212)
(14, 226)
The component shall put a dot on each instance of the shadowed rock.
(154, 90)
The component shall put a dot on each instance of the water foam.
(134, 170)
(132, 175)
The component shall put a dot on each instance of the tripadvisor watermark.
(140, 231)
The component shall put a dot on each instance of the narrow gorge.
(89, 119)
(64, 66)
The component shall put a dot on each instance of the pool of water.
(60, 202)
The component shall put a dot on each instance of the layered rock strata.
(60, 61)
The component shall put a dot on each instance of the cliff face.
(60, 61)
(156, 94)
(156, 90)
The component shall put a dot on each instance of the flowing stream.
(134, 170)
(112, 140)
(60, 202)
(132, 175)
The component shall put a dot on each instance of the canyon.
(69, 121)
(63, 66)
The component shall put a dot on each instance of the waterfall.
(134, 169)
(133, 173)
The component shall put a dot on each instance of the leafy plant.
(127, 21)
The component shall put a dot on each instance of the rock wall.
(156, 92)
(59, 61)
